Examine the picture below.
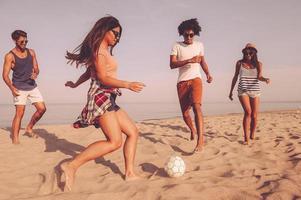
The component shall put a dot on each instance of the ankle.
(72, 166)
(129, 173)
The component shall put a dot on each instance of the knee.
(19, 114)
(135, 132)
(248, 113)
(254, 116)
(116, 143)
(41, 111)
(132, 133)
(197, 108)
(186, 114)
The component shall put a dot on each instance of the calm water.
(67, 113)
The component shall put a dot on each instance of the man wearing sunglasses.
(188, 57)
(22, 61)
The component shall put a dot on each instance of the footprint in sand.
(290, 147)
(48, 183)
(294, 137)
(228, 174)
(210, 153)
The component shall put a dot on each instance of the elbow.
(4, 77)
(172, 66)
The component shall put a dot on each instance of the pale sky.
(149, 31)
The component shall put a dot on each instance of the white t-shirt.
(184, 52)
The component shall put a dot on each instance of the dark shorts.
(189, 92)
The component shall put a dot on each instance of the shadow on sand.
(53, 144)
(153, 170)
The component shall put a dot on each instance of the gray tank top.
(22, 72)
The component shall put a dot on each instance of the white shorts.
(251, 94)
(33, 95)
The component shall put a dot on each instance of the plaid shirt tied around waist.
(98, 101)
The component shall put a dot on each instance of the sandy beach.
(268, 168)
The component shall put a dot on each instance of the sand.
(268, 168)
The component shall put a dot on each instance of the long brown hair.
(86, 52)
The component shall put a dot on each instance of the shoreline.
(175, 117)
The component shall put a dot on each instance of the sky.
(149, 31)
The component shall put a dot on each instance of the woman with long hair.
(249, 71)
(101, 110)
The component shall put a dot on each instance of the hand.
(209, 78)
(70, 84)
(15, 92)
(231, 96)
(136, 86)
(267, 80)
(34, 75)
(195, 59)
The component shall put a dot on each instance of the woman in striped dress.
(249, 71)
(101, 110)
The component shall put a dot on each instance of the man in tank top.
(22, 61)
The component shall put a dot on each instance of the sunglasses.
(23, 41)
(116, 33)
(249, 53)
(190, 35)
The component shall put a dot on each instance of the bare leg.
(111, 128)
(41, 109)
(245, 103)
(184, 94)
(189, 123)
(17, 123)
(199, 121)
(129, 128)
(255, 106)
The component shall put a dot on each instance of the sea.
(67, 113)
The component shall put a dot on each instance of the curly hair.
(86, 52)
(17, 34)
(191, 24)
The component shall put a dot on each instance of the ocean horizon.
(63, 113)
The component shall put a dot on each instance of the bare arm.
(7, 66)
(35, 70)
(83, 78)
(175, 63)
(260, 77)
(234, 80)
(206, 69)
(102, 76)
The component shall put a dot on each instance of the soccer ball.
(175, 166)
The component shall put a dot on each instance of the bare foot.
(132, 177)
(69, 173)
(192, 136)
(198, 149)
(15, 141)
(30, 133)
(254, 138)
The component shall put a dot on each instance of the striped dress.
(248, 81)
